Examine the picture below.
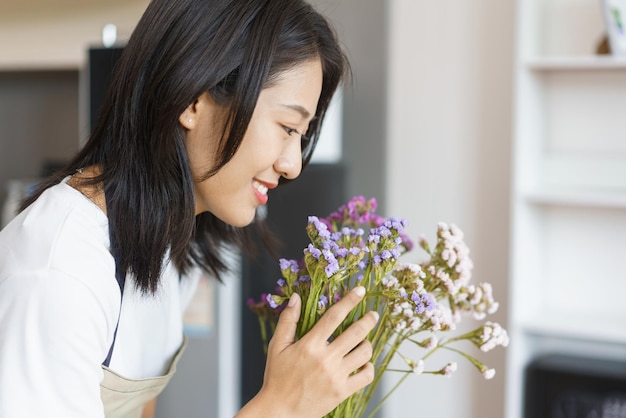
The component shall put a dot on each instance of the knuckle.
(364, 325)
(368, 372)
(333, 315)
(361, 329)
(336, 392)
(367, 349)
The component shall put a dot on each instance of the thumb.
(285, 331)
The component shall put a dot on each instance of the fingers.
(285, 332)
(335, 315)
(357, 332)
(361, 378)
(358, 357)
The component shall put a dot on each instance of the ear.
(189, 116)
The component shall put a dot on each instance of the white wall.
(449, 133)
(43, 34)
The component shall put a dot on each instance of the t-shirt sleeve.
(54, 335)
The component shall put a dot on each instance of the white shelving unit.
(568, 252)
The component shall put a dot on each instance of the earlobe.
(202, 107)
(188, 117)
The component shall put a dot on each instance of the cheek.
(261, 147)
(201, 154)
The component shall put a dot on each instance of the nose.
(289, 162)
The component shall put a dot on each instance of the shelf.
(577, 327)
(576, 63)
(609, 199)
(37, 35)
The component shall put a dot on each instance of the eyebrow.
(300, 109)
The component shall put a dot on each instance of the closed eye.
(291, 131)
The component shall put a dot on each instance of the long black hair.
(179, 50)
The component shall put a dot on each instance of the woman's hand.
(310, 377)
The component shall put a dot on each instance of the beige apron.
(125, 398)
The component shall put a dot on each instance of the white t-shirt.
(59, 307)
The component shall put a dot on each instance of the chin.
(238, 220)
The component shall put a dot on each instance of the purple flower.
(323, 302)
(315, 252)
(271, 301)
(284, 263)
(329, 256)
(331, 268)
(341, 252)
(321, 227)
(423, 302)
(386, 255)
(376, 220)
(395, 223)
(383, 231)
(375, 238)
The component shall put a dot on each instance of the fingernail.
(292, 300)
(359, 290)
(376, 315)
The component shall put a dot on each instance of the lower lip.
(261, 198)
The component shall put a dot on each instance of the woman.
(213, 103)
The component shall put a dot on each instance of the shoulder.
(60, 245)
(62, 230)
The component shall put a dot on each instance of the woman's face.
(271, 147)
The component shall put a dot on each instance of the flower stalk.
(416, 302)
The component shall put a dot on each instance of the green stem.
(377, 378)
(382, 401)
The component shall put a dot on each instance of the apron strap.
(121, 280)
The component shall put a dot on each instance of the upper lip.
(266, 184)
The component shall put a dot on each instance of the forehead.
(297, 89)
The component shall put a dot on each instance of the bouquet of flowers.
(419, 303)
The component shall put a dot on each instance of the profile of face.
(271, 146)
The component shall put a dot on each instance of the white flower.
(489, 373)
(390, 282)
(449, 369)
(415, 323)
(492, 336)
(456, 231)
(452, 259)
(418, 368)
(400, 325)
(397, 310)
(493, 308)
(430, 343)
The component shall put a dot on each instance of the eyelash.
(305, 140)
(291, 131)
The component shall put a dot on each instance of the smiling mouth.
(260, 188)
